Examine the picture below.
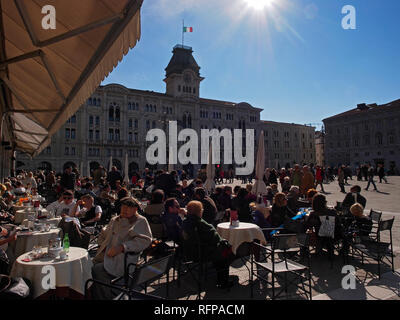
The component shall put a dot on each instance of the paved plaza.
(326, 280)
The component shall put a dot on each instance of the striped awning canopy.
(47, 74)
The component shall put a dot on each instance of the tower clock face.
(187, 78)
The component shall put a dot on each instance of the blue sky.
(293, 58)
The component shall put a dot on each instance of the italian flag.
(187, 29)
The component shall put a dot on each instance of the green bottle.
(66, 243)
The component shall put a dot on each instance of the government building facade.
(115, 121)
(369, 133)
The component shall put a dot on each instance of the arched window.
(378, 138)
(154, 124)
(111, 114)
(117, 136)
(184, 121)
(130, 123)
(155, 108)
(117, 114)
(97, 121)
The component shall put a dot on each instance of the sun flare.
(259, 4)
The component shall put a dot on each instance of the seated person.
(293, 201)
(153, 213)
(129, 232)
(36, 196)
(364, 223)
(64, 206)
(286, 185)
(197, 232)
(90, 213)
(353, 197)
(187, 189)
(106, 194)
(209, 208)
(280, 210)
(307, 203)
(5, 238)
(88, 189)
(270, 195)
(241, 204)
(319, 208)
(172, 220)
(226, 198)
(123, 193)
(19, 189)
(262, 217)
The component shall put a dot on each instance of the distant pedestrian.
(341, 179)
(371, 174)
(381, 173)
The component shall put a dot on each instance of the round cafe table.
(26, 241)
(70, 273)
(245, 232)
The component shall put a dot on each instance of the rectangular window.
(72, 151)
(66, 151)
(67, 133)
(97, 135)
(91, 135)
(73, 135)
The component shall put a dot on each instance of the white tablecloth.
(21, 215)
(26, 243)
(71, 273)
(53, 222)
(245, 232)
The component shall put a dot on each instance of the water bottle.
(66, 243)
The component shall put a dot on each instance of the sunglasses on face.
(67, 198)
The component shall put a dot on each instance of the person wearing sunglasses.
(64, 206)
(172, 220)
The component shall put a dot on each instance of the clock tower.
(183, 74)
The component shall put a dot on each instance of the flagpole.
(183, 32)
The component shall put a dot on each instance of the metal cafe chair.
(374, 248)
(376, 217)
(279, 266)
(142, 276)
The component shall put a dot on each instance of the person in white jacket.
(129, 232)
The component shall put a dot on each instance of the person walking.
(341, 179)
(319, 178)
(381, 173)
(371, 174)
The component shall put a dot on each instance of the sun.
(258, 4)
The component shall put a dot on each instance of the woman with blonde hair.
(364, 223)
(280, 210)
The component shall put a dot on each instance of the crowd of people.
(178, 209)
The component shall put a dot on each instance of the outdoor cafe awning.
(46, 75)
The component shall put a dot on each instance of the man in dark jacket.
(353, 197)
(113, 176)
(68, 179)
(197, 233)
(165, 181)
(209, 207)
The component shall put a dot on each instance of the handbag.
(327, 228)
(15, 288)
